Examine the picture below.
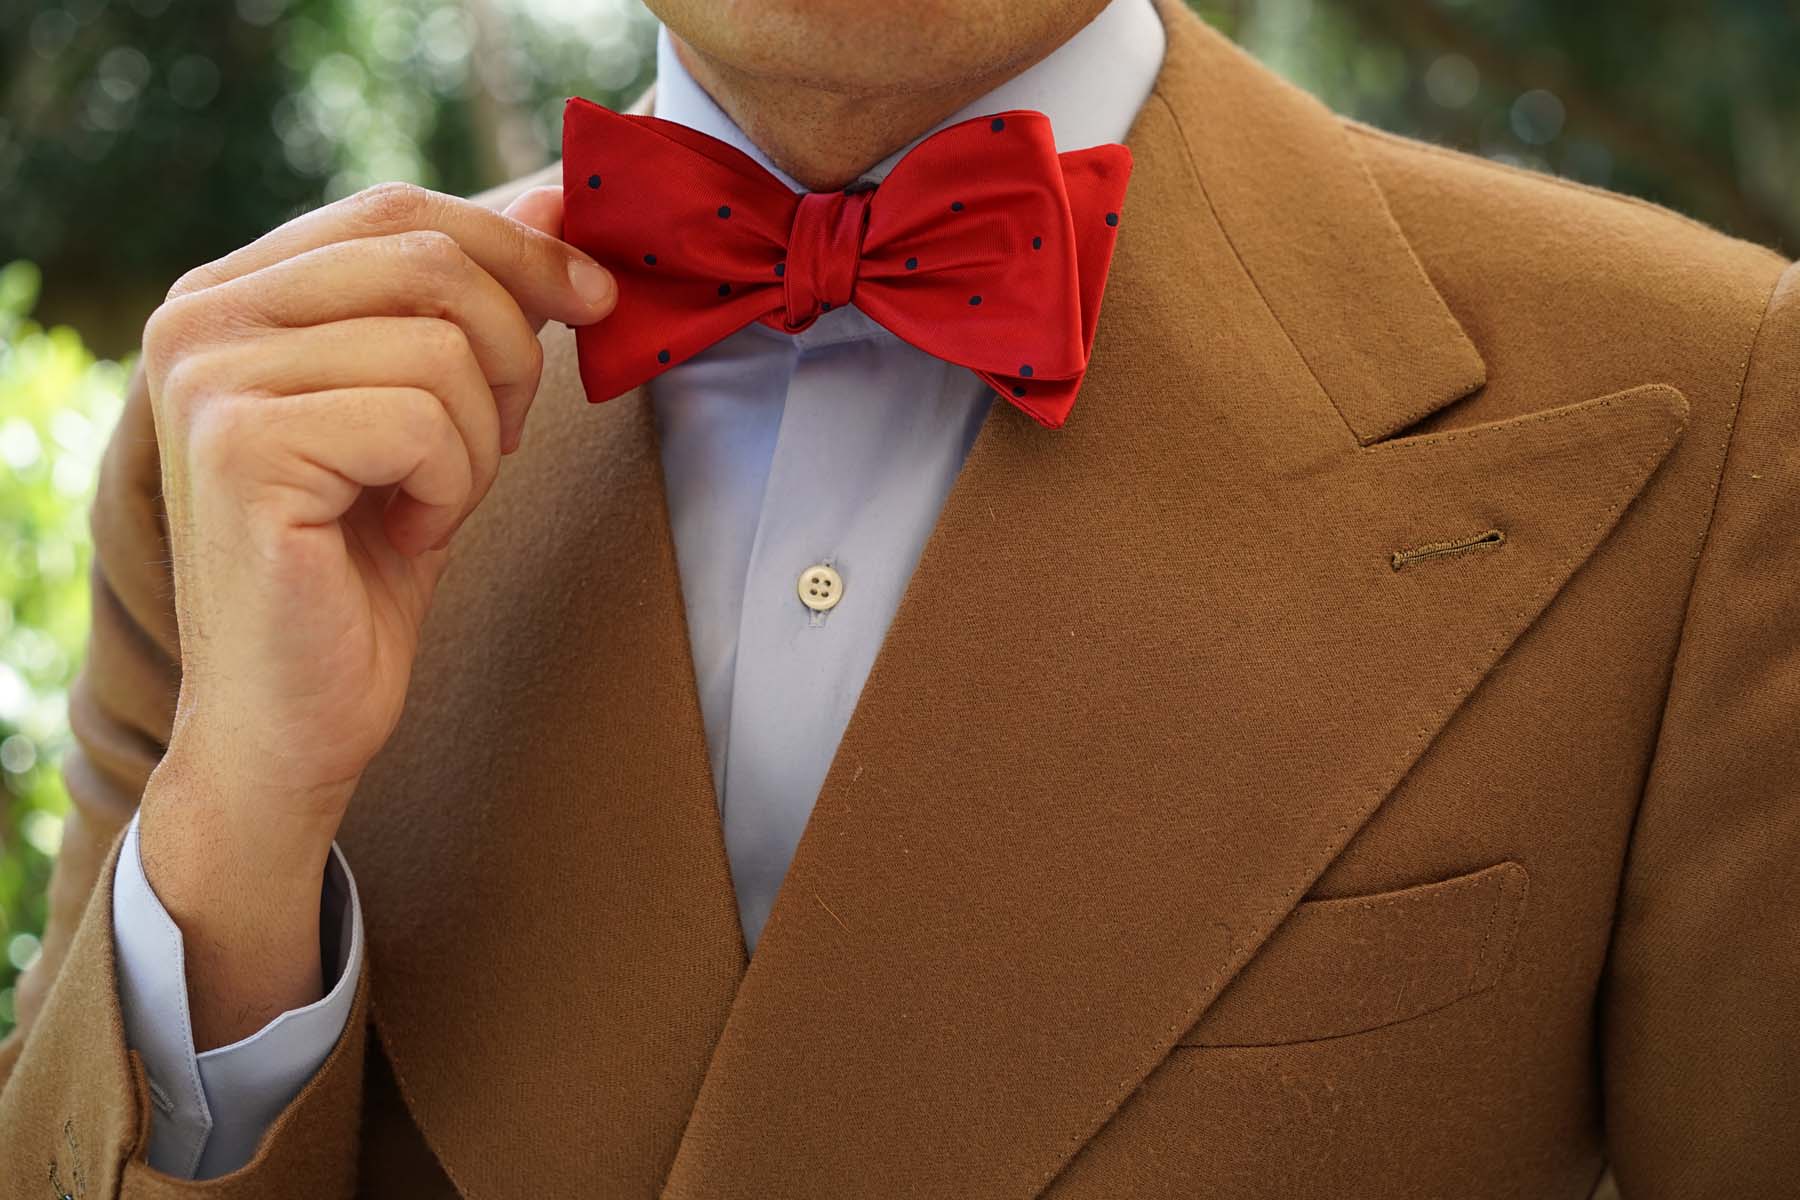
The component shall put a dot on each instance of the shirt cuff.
(212, 1109)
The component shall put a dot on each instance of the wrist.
(266, 816)
(243, 882)
(207, 835)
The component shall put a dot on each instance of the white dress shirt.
(833, 446)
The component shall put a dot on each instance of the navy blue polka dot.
(912, 264)
(593, 181)
(662, 356)
(724, 211)
(997, 125)
(1025, 370)
(1112, 218)
(974, 299)
(1018, 391)
(724, 289)
(956, 206)
(824, 306)
(1037, 243)
(780, 269)
(649, 260)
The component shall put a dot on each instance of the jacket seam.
(1712, 516)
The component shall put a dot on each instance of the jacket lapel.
(1152, 673)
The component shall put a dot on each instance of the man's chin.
(873, 47)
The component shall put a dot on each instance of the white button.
(819, 587)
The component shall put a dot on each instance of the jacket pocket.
(1356, 963)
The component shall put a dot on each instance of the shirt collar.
(1090, 87)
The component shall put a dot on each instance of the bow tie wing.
(987, 248)
(692, 228)
(1095, 180)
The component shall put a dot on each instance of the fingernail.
(591, 283)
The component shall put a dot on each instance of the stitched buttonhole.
(1487, 537)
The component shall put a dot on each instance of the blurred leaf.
(57, 404)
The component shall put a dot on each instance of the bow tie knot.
(824, 254)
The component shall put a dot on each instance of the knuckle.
(217, 438)
(422, 416)
(437, 428)
(163, 336)
(438, 263)
(192, 280)
(443, 342)
(174, 327)
(534, 361)
(184, 385)
(431, 250)
(392, 205)
(485, 468)
(483, 482)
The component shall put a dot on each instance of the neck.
(825, 139)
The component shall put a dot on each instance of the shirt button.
(820, 587)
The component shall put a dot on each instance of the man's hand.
(331, 402)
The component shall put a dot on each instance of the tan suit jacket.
(1357, 756)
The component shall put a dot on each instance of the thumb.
(542, 209)
(539, 207)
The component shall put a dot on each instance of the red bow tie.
(983, 247)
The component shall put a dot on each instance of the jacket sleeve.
(212, 1108)
(1700, 1005)
(75, 1105)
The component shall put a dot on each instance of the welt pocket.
(1355, 963)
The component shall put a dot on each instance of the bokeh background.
(139, 138)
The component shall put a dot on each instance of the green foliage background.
(139, 138)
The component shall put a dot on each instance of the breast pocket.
(1356, 963)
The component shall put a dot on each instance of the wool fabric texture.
(1228, 812)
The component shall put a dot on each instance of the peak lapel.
(1152, 673)
(552, 934)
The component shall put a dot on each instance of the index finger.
(548, 277)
